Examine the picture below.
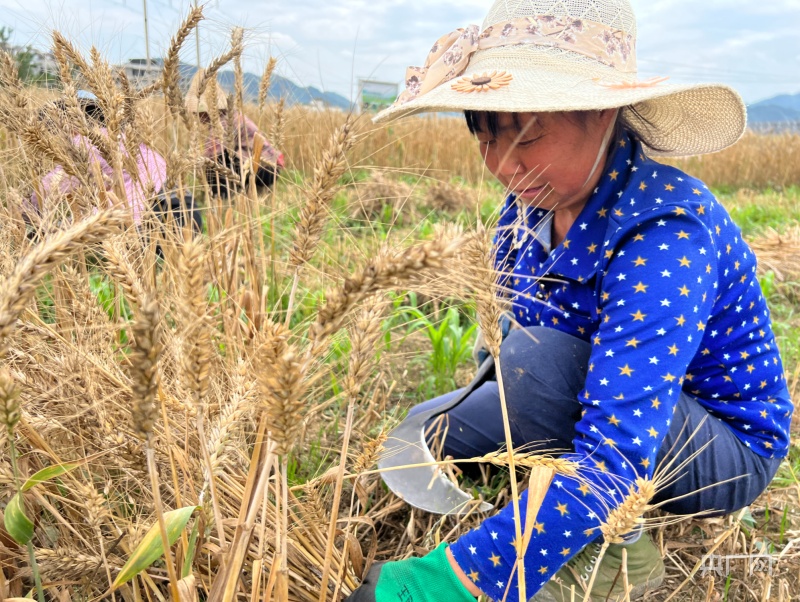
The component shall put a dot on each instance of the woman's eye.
(527, 142)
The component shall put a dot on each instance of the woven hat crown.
(568, 55)
(615, 14)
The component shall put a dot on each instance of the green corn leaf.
(189, 557)
(18, 525)
(51, 472)
(151, 548)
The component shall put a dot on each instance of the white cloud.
(331, 42)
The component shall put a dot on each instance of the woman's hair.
(482, 121)
(93, 111)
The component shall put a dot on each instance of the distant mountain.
(279, 87)
(779, 109)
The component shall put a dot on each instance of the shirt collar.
(582, 250)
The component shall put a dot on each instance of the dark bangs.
(479, 122)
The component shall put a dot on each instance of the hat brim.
(674, 120)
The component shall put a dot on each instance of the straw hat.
(568, 55)
(200, 105)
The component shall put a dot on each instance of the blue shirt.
(655, 274)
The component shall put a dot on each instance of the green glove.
(426, 579)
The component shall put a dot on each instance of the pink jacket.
(244, 137)
(149, 180)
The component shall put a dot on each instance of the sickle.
(426, 487)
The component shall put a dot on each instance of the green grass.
(755, 212)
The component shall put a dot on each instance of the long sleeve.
(656, 292)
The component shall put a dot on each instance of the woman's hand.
(432, 578)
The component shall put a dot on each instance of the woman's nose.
(508, 160)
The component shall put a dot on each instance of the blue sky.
(750, 44)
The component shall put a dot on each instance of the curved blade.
(426, 487)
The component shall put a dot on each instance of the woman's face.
(546, 159)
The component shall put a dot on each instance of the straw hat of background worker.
(200, 104)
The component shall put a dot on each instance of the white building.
(140, 73)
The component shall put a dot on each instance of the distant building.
(140, 73)
(44, 64)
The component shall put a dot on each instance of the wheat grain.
(170, 75)
(266, 79)
(19, 286)
(390, 269)
(144, 358)
(314, 212)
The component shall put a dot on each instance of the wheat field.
(197, 417)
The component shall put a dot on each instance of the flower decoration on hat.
(483, 82)
(447, 59)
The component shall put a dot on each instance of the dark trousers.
(181, 210)
(221, 185)
(542, 379)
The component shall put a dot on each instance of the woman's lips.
(530, 193)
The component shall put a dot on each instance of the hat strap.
(451, 53)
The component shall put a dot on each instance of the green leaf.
(45, 474)
(189, 557)
(18, 525)
(151, 548)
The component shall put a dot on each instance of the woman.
(650, 324)
(143, 187)
(246, 141)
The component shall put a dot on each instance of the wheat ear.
(266, 78)
(198, 352)
(623, 519)
(10, 81)
(171, 77)
(324, 186)
(389, 269)
(144, 358)
(19, 286)
(308, 229)
(218, 63)
(482, 280)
